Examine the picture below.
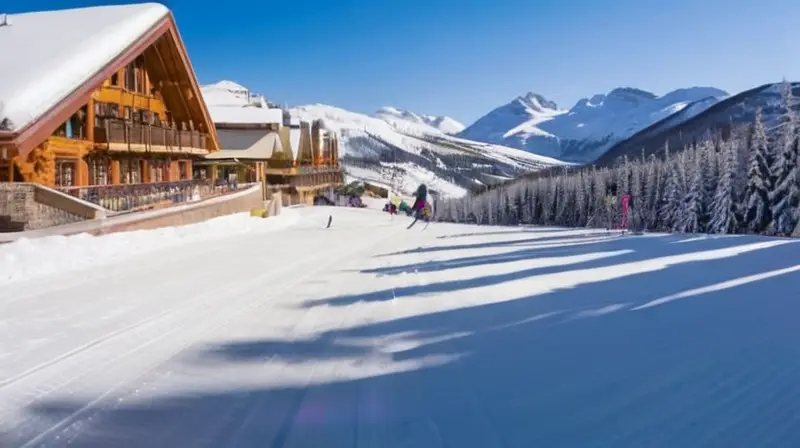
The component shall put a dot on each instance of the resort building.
(102, 103)
(262, 143)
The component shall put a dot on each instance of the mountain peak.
(537, 102)
(442, 123)
(632, 92)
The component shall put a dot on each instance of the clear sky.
(462, 58)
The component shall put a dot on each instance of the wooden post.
(115, 172)
(90, 121)
(11, 169)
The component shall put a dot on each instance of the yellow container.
(259, 212)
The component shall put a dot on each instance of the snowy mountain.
(400, 148)
(419, 150)
(443, 124)
(682, 128)
(591, 126)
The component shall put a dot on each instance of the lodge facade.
(137, 133)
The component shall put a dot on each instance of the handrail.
(134, 197)
(126, 132)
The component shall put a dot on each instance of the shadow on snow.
(572, 367)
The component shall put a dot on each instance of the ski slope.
(254, 333)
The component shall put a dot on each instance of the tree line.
(747, 183)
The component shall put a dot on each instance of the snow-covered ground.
(368, 334)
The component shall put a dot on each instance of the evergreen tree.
(693, 200)
(784, 195)
(756, 195)
(672, 197)
(723, 208)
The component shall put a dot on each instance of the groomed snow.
(29, 259)
(47, 55)
(368, 334)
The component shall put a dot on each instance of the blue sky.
(464, 57)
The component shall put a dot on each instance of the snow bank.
(30, 258)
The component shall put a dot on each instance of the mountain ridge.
(590, 127)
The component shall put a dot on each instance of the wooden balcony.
(136, 197)
(122, 135)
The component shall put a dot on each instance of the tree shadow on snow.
(524, 231)
(573, 367)
(492, 244)
(640, 249)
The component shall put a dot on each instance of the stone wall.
(183, 216)
(20, 210)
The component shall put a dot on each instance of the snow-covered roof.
(245, 115)
(246, 144)
(48, 55)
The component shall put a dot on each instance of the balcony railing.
(120, 131)
(135, 197)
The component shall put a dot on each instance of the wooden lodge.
(263, 144)
(118, 121)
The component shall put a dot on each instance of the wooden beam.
(169, 75)
(184, 101)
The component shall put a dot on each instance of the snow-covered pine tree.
(723, 208)
(582, 195)
(784, 195)
(691, 221)
(705, 155)
(650, 201)
(756, 195)
(637, 201)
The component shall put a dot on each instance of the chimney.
(5, 20)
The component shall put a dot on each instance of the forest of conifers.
(748, 183)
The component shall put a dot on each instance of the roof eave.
(37, 130)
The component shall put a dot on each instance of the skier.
(419, 203)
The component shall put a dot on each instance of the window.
(159, 170)
(99, 169)
(156, 119)
(183, 169)
(130, 77)
(129, 172)
(115, 80)
(65, 173)
(127, 113)
(139, 70)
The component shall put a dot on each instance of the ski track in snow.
(371, 335)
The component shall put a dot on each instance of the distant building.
(260, 143)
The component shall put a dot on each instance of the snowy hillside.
(681, 129)
(375, 143)
(442, 124)
(412, 146)
(452, 336)
(591, 126)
